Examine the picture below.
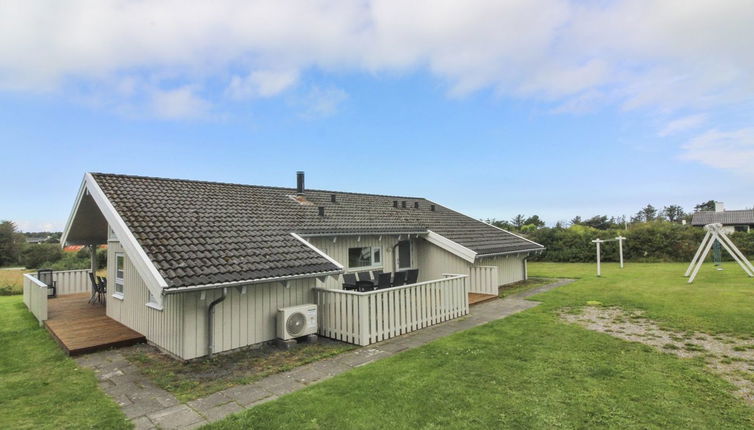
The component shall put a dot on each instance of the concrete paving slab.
(175, 417)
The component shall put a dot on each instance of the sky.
(493, 108)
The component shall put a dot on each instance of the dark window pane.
(359, 257)
(404, 255)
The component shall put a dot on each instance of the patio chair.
(98, 290)
(349, 281)
(45, 276)
(383, 280)
(364, 276)
(412, 276)
(399, 279)
(376, 275)
(364, 286)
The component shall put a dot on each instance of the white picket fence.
(483, 279)
(35, 297)
(72, 282)
(369, 317)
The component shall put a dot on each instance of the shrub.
(35, 256)
(650, 242)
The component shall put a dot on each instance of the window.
(404, 255)
(368, 256)
(741, 228)
(120, 264)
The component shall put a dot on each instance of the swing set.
(599, 241)
(715, 236)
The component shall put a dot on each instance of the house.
(203, 267)
(735, 220)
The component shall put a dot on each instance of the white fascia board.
(79, 196)
(147, 270)
(317, 250)
(450, 246)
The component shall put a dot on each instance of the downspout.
(210, 314)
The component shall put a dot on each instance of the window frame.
(118, 293)
(374, 250)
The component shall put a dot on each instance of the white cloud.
(680, 125)
(321, 102)
(729, 150)
(262, 83)
(662, 55)
(178, 103)
(38, 225)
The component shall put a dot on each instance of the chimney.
(332, 198)
(719, 207)
(395, 203)
(300, 183)
(321, 210)
(403, 204)
(432, 208)
(416, 205)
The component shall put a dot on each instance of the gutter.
(249, 282)
(210, 314)
(495, 254)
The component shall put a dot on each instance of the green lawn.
(533, 371)
(41, 388)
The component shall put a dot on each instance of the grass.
(40, 387)
(12, 281)
(198, 378)
(531, 370)
(526, 285)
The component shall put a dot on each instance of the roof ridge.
(161, 178)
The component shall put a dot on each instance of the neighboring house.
(178, 249)
(736, 220)
(36, 239)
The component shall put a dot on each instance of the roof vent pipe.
(432, 208)
(332, 198)
(321, 210)
(300, 182)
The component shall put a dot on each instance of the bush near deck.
(41, 387)
(533, 371)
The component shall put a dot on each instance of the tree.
(576, 220)
(505, 225)
(648, 213)
(673, 213)
(706, 206)
(600, 222)
(11, 242)
(535, 221)
(34, 256)
(518, 221)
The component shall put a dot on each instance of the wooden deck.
(80, 327)
(475, 298)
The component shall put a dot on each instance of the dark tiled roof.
(725, 217)
(199, 233)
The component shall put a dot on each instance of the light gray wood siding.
(434, 261)
(163, 328)
(510, 268)
(338, 250)
(242, 319)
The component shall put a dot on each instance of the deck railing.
(483, 279)
(35, 297)
(369, 317)
(72, 281)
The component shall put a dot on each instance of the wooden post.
(93, 256)
(620, 249)
(599, 268)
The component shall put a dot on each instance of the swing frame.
(715, 233)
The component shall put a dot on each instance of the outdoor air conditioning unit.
(297, 321)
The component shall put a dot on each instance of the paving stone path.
(149, 406)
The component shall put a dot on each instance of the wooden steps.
(80, 327)
(475, 298)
